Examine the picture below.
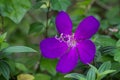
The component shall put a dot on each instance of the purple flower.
(69, 47)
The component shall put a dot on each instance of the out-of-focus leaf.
(25, 77)
(4, 69)
(113, 12)
(118, 43)
(60, 4)
(91, 74)
(36, 27)
(117, 55)
(104, 40)
(14, 9)
(107, 49)
(21, 67)
(42, 77)
(48, 65)
(105, 66)
(4, 45)
(18, 49)
(2, 37)
(76, 76)
(107, 72)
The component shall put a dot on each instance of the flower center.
(68, 39)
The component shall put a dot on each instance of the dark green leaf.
(4, 69)
(36, 27)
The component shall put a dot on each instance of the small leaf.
(76, 76)
(36, 27)
(17, 49)
(2, 37)
(4, 69)
(91, 75)
(25, 77)
(21, 67)
(105, 66)
(95, 69)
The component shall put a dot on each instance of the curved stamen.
(68, 39)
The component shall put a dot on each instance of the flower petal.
(86, 51)
(87, 28)
(52, 48)
(63, 23)
(68, 61)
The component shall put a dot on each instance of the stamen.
(68, 39)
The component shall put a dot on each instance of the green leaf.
(95, 69)
(14, 9)
(118, 43)
(17, 49)
(105, 66)
(104, 40)
(107, 49)
(91, 75)
(117, 55)
(4, 69)
(76, 76)
(42, 77)
(36, 27)
(21, 67)
(107, 72)
(2, 37)
(48, 65)
(60, 4)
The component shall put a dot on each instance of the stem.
(47, 24)
(2, 23)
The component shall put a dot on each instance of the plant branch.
(2, 24)
(47, 24)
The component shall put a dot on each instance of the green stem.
(2, 24)
(47, 24)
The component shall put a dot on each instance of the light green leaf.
(107, 72)
(2, 37)
(91, 75)
(105, 66)
(14, 9)
(118, 43)
(4, 69)
(95, 69)
(60, 4)
(42, 77)
(21, 67)
(76, 76)
(17, 49)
